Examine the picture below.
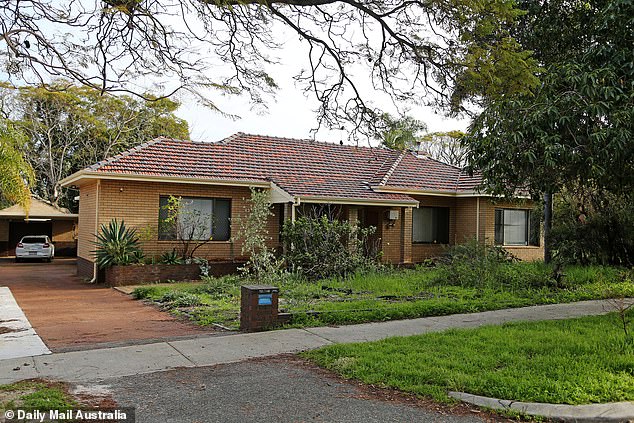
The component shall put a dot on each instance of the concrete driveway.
(69, 314)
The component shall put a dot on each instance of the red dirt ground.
(68, 313)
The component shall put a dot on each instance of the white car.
(35, 247)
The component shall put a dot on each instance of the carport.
(44, 219)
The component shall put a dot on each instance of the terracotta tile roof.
(426, 174)
(300, 167)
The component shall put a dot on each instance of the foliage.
(474, 265)
(576, 129)
(68, 128)
(191, 228)
(321, 248)
(399, 294)
(399, 133)
(16, 175)
(117, 245)
(592, 227)
(576, 361)
(262, 264)
(170, 257)
(440, 53)
(445, 147)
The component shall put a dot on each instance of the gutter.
(92, 175)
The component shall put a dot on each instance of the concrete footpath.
(17, 336)
(99, 364)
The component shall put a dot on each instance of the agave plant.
(117, 245)
(171, 257)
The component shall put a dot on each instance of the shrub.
(170, 257)
(263, 265)
(593, 228)
(474, 265)
(117, 245)
(321, 248)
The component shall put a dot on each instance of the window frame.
(448, 220)
(173, 238)
(498, 228)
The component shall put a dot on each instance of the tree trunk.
(548, 225)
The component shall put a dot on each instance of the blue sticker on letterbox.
(265, 299)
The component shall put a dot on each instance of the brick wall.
(391, 236)
(137, 203)
(85, 268)
(152, 273)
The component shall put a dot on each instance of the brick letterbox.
(258, 307)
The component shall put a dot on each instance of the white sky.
(292, 112)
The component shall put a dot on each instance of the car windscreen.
(33, 240)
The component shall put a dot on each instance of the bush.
(320, 248)
(117, 245)
(473, 265)
(593, 228)
(170, 257)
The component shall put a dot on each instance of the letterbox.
(258, 307)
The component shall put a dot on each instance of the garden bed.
(392, 294)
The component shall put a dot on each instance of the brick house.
(417, 204)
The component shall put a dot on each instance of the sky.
(290, 115)
(291, 112)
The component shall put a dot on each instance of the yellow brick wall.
(4, 231)
(391, 233)
(137, 203)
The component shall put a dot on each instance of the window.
(431, 225)
(198, 219)
(516, 227)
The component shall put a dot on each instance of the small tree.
(192, 228)
(262, 264)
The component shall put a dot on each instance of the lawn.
(396, 293)
(576, 361)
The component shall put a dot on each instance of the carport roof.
(39, 209)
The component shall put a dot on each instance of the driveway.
(68, 313)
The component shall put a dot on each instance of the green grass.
(396, 294)
(577, 361)
(35, 395)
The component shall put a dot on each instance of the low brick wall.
(152, 273)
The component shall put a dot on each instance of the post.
(258, 307)
(548, 224)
